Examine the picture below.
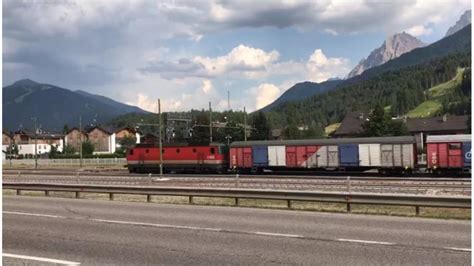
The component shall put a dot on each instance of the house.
(102, 138)
(443, 125)
(351, 126)
(73, 138)
(7, 140)
(27, 141)
(124, 132)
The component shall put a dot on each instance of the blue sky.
(191, 52)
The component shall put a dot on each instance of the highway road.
(103, 232)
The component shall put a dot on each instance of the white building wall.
(112, 143)
(137, 137)
(40, 149)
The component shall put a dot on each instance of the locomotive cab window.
(213, 150)
(177, 150)
(455, 146)
(130, 152)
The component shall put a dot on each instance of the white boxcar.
(397, 155)
(276, 156)
(369, 154)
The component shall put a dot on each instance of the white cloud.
(419, 30)
(145, 103)
(265, 94)
(241, 60)
(321, 68)
(207, 87)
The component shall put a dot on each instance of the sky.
(190, 53)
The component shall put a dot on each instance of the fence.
(65, 162)
(416, 201)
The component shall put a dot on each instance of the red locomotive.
(145, 158)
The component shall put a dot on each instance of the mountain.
(393, 47)
(301, 91)
(463, 21)
(399, 84)
(114, 104)
(54, 106)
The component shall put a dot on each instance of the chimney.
(445, 118)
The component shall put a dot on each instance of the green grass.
(331, 128)
(435, 95)
(425, 109)
(447, 87)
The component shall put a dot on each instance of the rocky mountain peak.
(393, 47)
(463, 21)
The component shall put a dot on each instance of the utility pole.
(11, 152)
(245, 125)
(80, 146)
(36, 146)
(228, 100)
(159, 135)
(210, 123)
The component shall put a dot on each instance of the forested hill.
(400, 83)
(301, 91)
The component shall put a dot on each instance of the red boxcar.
(146, 158)
(446, 151)
(240, 157)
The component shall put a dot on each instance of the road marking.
(459, 249)
(63, 262)
(35, 214)
(158, 225)
(276, 234)
(206, 229)
(364, 241)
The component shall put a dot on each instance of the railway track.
(436, 186)
(325, 175)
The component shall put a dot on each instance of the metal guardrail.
(416, 201)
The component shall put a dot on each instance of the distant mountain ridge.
(303, 90)
(463, 21)
(393, 47)
(55, 106)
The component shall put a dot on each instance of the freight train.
(388, 155)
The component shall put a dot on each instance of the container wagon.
(449, 153)
(145, 158)
(387, 154)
